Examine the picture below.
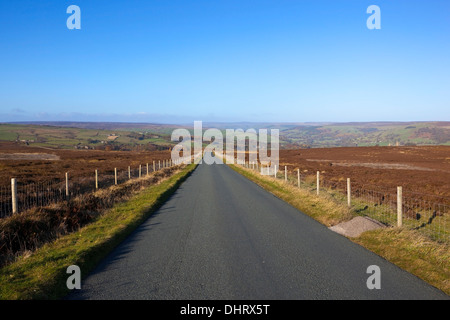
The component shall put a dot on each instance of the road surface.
(220, 236)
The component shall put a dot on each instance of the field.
(138, 136)
(61, 137)
(40, 172)
(375, 173)
(51, 164)
(327, 135)
(367, 134)
(419, 170)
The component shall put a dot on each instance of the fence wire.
(426, 213)
(44, 193)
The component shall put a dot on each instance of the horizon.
(311, 123)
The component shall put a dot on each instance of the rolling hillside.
(123, 136)
(81, 138)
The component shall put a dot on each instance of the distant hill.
(118, 135)
(293, 135)
(121, 126)
(86, 136)
(368, 134)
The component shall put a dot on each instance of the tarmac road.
(220, 236)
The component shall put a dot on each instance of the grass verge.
(408, 249)
(42, 275)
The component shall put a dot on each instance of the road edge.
(43, 275)
(422, 258)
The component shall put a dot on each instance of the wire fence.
(426, 213)
(43, 193)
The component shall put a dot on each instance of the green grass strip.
(42, 274)
(302, 199)
(408, 249)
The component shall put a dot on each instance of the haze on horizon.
(225, 61)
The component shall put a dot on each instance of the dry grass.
(42, 274)
(412, 252)
(29, 230)
(408, 249)
(302, 199)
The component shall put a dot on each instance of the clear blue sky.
(230, 60)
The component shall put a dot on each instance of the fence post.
(96, 179)
(14, 195)
(275, 171)
(154, 166)
(298, 178)
(115, 176)
(399, 207)
(140, 171)
(159, 164)
(129, 172)
(285, 173)
(67, 184)
(147, 169)
(318, 181)
(349, 193)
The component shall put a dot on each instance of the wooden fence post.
(140, 171)
(147, 169)
(96, 179)
(154, 166)
(14, 195)
(275, 171)
(129, 172)
(67, 184)
(399, 207)
(318, 182)
(349, 193)
(285, 173)
(115, 176)
(298, 177)
(159, 164)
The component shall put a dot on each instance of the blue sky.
(175, 61)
